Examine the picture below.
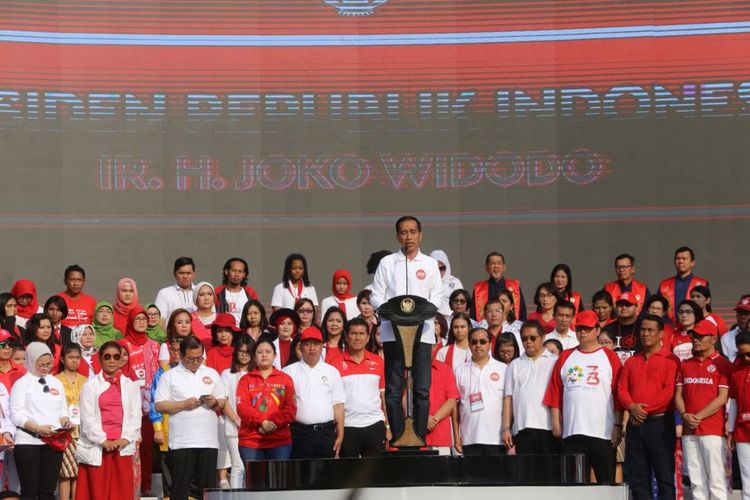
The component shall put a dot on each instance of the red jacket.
(260, 399)
(636, 288)
(482, 290)
(666, 290)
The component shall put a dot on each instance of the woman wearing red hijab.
(24, 292)
(143, 361)
(342, 297)
(126, 298)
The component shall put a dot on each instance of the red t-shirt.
(261, 399)
(9, 378)
(442, 388)
(549, 326)
(80, 309)
(701, 381)
(739, 389)
(219, 358)
(649, 381)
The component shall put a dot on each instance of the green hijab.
(156, 332)
(105, 333)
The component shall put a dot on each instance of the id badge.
(475, 402)
(74, 413)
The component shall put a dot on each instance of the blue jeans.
(278, 453)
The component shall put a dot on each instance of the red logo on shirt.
(54, 392)
(207, 380)
(421, 274)
(711, 368)
(495, 376)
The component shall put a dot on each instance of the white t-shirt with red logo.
(483, 425)
(583, 385)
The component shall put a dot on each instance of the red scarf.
(113, 379)
(300, 286)
(341, 297)
(25, 287)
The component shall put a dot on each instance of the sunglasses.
(459, 301)
(44, 383)
(529, 338)
(479, 342)
(3, 345)
(107, 357)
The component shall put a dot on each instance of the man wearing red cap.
(728, 346)
(318, 428)
(625, 270)
(646, 390)
(701, 393)
(10, 371)
(624, 330)
(581, 396)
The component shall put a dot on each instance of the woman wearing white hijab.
(38, 408)
(450, 282)
(85, 336)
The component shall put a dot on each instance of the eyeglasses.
(305, 311)
(44, 383)
(107, 357)
(529, 338)
(191, 359)
(479, 342)
(45, 365)
(243, 353)
(139, 319)
(153, 315)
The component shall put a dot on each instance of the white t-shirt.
(288, 297)
(460, 356)
(28, 401)
(230, 381)
(526, 381)
(583, 384)
(316, 390)
(569, 341)
(351, 306)
(481, 426)
(196, 428)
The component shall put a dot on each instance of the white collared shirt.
(419, 276)
(196, 428)
(526, 381)
(174, 297)
(28, 401)
(569, 341)
(481, 427)
(316, 390)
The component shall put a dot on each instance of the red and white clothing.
(260, 399)
(287, 297)
(442, 388)
(234, 302)
(350, 306)
(481, 405)
(174, 297)
(682, 345)
(649, 380)
(549, 326)
(363, 384)
(701, 381)
(15, 372)
(526, 381)
(739, 421)
(80, 309)
(453, 356)
(717, 320)
(583, 386)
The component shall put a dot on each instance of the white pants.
(704, 458)
(743, 457)
(237, 472)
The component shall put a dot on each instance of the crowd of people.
(204, 378)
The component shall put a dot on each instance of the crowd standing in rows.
(204, 378)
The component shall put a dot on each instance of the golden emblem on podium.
(407, 305)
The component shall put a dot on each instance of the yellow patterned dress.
(69, 468)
